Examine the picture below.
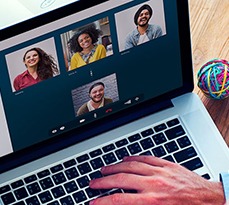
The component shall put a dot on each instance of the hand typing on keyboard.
(156, 182)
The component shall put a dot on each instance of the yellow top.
(77, 61)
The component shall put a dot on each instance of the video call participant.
(40, 66)
(96, 93)
(144, 31)
(84, 45)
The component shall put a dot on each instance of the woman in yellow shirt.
(84, 45)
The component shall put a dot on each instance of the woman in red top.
(40, 66)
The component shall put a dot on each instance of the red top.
(24, 80)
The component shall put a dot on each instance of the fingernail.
(125, 158)
(92, 202)
(102, 169)
(91, 183)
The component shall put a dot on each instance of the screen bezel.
(111, 121)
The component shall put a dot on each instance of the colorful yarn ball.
(213, 79)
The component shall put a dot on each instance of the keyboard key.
(122, 152)
(147, 132)
(17, 184)
(69, 163)
(134, 138)
(173, 122)
(82, 158)
(184, 142)
(95, 175)
(160, 127)
(147, 153)
(108, 148)
(54, 203)
(58, 192)
(147, 143)
(193, 164)
(130, 191)
(92, 192)
(117, 191)
(43, 174)
(109, 158)
(159, 138)
(30, 179)
(185, 154)
(4, 189)
(59, 178)
(32, 201)
(45, 197)
(70, 186)
(20, 203)
(159, 151)
(84, 168)
(8, 198)
(79, 196)
(171, 146)
(134, 148)
(97, 163)
(83, 181)
(206, 176)
(121, 143)
(104, 192)
(72, 173)
(67, 201)
(46, 183)
(169, 158)
(56, 168)
(33, 188)
(175, 132)
(95, 153)
(21, 193)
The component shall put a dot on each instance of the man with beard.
(96, 93)
(144, 31)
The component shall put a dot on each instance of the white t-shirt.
(143, 39)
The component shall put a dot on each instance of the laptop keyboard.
(67, 183)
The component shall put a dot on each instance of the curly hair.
(47, 67)
(91, 30)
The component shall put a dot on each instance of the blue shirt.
(152, 32)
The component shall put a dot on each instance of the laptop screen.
(21, 10)
(87, 66)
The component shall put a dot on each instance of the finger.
(151, 160)
(122, 180)
(122, 199)
(132, 167)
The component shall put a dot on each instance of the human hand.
(157, 182)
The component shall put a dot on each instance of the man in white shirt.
(144, 31)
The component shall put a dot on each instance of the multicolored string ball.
(213, 79)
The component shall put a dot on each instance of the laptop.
(53, 138)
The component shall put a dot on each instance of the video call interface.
(87, 69)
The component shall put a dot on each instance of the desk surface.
(210, 39)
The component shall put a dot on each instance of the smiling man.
(144, 31)
(97, 99)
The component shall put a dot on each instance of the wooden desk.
(210, 39)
